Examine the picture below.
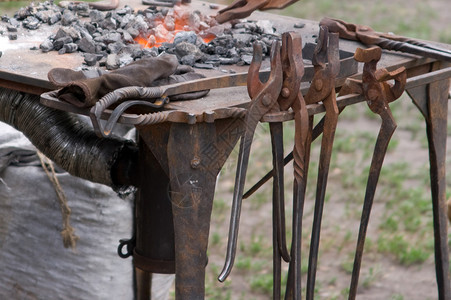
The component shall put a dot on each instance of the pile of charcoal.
(117, 37)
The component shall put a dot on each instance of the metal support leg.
(432, 100)
(191, 156)
(155, 250)
(192, 184)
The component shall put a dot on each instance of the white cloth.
(33, 261)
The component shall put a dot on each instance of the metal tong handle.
(326, 77)
(260, 104)
(378, 94)
(120, 94)
(239, 9)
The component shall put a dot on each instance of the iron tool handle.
(119, 95)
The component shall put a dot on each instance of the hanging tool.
(243, 8)
(155, 97)
(264, 99)
(288, 96)
(378, 93)
(323, 89)
(369, 37)
(293, 71)
(315, 134)
(301, 152)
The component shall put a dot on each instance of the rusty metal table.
(179, 161)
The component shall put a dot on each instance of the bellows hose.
(70, 143)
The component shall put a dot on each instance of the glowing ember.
(165, 28)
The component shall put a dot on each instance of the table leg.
(155, 249)
(143, 284)
(192, 156)
(432, 100)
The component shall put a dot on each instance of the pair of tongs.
(368, 36)
(379, 93)
(264, 99)
(326, 63)
(290, 98)
(243, 8)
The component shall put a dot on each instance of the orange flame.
(165, 29)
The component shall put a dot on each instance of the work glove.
(85, 88)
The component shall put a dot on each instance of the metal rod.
(386, 131)
(279, 240)
(301, 152)
(278, 187)
(327, 141)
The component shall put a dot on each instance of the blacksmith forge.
(179, 155)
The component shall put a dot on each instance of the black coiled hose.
(70, 143)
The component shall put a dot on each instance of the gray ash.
(117, 37)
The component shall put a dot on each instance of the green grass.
(372, 276)
(9, 7)
(262, 283)
(403, 232)
(397, 297)
(406, 253)
(418, 19)
(413, 20)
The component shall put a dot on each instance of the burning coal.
(164, 28)
(120, 36)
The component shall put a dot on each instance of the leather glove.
(85, 92)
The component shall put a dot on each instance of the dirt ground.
(382, 275)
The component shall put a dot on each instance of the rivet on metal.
(195, 162)
(285, 92)
(266, 100)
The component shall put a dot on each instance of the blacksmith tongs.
(264, 99)
(378, 93)
(369, 37)
(326, 62)
(244, 8)
(290, 97)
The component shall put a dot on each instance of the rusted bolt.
(266, 100)
(195, 162)
(285, 92)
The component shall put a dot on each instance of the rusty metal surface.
(323, 89)
(378, 93)
(414, 86)
(264, 99)
(369, 37)
(243, 8)
(193, 177)
(207, 109)
(432, 101)
(180, 193)
(189, 176)
(240, 9)
(20, 64)
(280, 249)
